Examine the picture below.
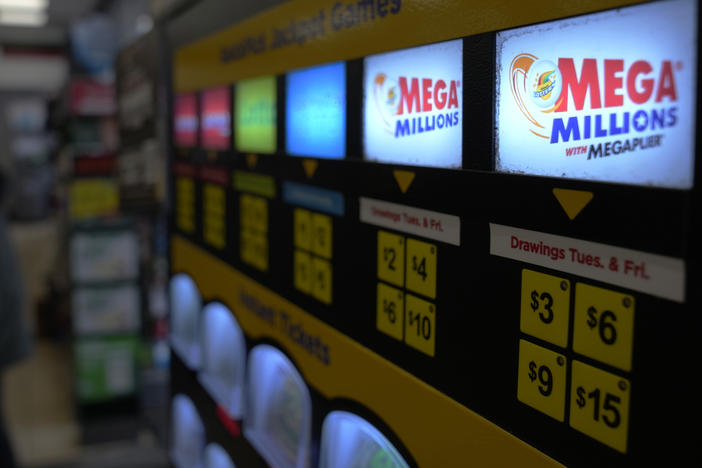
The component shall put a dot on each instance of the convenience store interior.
(268, 233)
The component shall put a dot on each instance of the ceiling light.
(23, 17)
(25, 4)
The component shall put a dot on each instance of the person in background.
(14, 337)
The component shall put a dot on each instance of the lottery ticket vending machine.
(436, 234)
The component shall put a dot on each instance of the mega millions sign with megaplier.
(595, 98)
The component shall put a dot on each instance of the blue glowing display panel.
(316, 111)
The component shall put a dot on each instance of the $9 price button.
(541, 382)
(604, 325)
(599, 405)
(545, 307)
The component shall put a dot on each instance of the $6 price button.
(604, 325)
(541, 382)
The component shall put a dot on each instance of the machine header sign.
(413, 100)
(609, 96)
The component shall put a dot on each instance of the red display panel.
(216, 115)
(185, 120)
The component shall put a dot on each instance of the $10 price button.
(541, 382)
(545, 307)
(599, 405)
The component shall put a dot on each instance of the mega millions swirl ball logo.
(536, 86)
(386, 96)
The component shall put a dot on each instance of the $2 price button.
(545, 307)
(599, 405)
(541, 382)
(604, 325)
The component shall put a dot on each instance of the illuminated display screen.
(608, 96)
(316, 111)
(185, 120)
(255, 115)
(215, 111)
(413, 106)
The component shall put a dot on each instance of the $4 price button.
(599, 405)
(541, 382)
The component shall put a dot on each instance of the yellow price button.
(420, 324)
(603, 326)
(599, 405)
(302, 229)
(245, 212)
(391, 258)
(545, 311)
(389, 317)
(302, 271)
(259, 214)
(421, 267)
(185, 192)
(541, 379)
(322, 280)
(322, 235)
(254, 250)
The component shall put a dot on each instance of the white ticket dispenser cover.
(223, 358)
(217, 457)
(186, 305)
(279, 411)
(188, 434)
(349, 441)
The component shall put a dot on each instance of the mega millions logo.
(412, 105)
(636, 101)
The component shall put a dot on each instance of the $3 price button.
(545, 307)
(599, 405)
(541, 382)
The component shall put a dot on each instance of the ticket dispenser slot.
(188, 434)
(186, 304)
(279, 411)
(223, 358)
(217, 457)
(349, 441)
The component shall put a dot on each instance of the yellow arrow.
(404, 179)
(310, 166)
(251, 160)
(572, 201)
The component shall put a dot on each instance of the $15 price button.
(541, 382)
(599, 405)
(604, 325)
(545, 307)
